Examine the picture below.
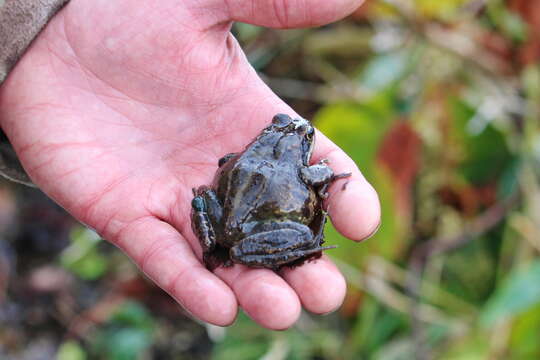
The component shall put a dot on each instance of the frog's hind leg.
(289, 259)
(201, 225)
(278, 245)
(317, 227)
(206, 212)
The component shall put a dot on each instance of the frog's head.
(295, 126)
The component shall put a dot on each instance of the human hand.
(120, 108)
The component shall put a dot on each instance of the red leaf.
(399, 153)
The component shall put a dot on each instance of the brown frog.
(264, 208)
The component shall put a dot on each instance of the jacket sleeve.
(20, 22)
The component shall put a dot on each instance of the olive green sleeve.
(20, 22)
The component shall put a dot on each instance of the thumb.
(290, 13)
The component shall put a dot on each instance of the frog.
(264, 207)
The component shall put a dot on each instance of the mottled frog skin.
(264, 207)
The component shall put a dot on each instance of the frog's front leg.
(277, 245)
(206, 213)
(320, 176)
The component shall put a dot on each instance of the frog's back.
(257, 190)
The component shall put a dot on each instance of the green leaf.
(524, 342)
(82, 256)
(510, 23)
(441, 9)
(471, 347)
(485, 154)
(133, 314)
(127, 343)
(127, 334)
(519, 292)
(375, 326)
(245, 340)
(530, 78)
(509, 181)
(246, 32)
(70, 350)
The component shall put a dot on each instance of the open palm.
(120, 108)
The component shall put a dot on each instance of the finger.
(290, 13)
(164, 255)
(263, 295)
(319, 284)
(353, 204)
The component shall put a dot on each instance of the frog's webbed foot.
(226, 158)
(320, 176)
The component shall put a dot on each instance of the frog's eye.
(281, 120)
(306, 130)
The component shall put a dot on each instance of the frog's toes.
(324, 161)
(341, 176)
(323, 194)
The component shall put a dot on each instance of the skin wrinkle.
(179, 222)
(116, 235)
(309, 287)
(51, 50)
(176, 282)
(228, 58)
(155, 248)
(307, 13)
(281, 10)
(257, 304)
(102, 231)
(95, 200)
(158, 207)
(117, 111)
(129, 21)
(100, 96)
(49, 148)
(207, 10)
(97, 77)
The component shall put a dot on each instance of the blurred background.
(438, 102)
